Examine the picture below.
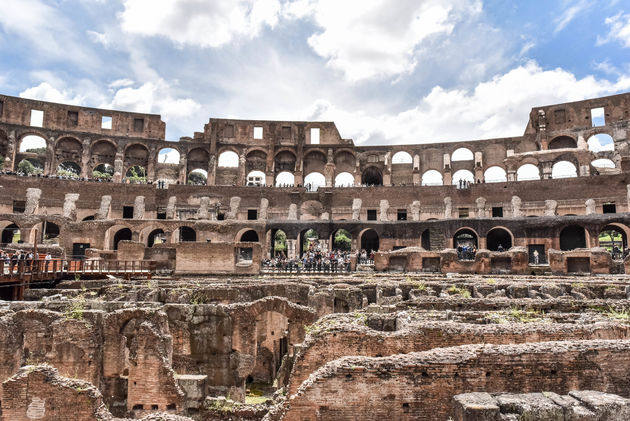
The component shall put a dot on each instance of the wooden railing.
(50, 269)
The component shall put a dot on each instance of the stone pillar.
(151, 166)
(118, 170)
(415, 210)
(264, 206)
(86, 171)
(183, 167)
(104, 208)
(203, 211)
(479, 167)
(235, 203)
(481, 207)
(32, 201)
(212, 170)
(516, 207)
(511, 174)
(591, 207)
(242, 175)
(70, 206)
(171, 207)
(50, 156)
(416, 176)
(384, 207)
(356, 207)
(138, 208)
(547, 168)
(8, 160)
(551, 208)
(448, 208)
(292, 216)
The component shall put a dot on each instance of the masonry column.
(212, 170)
(50, 156)
(387, 170)
(329, 169)
(547, 168)
(151, 165)
(85, 159)
(447, 176)
(10, 158)
(183, 164)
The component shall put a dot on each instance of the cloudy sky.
(404, 71)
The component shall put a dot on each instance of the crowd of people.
(312, 260)
(26, 261)
(466, 252)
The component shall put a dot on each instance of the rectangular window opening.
(286, 132)
(609, 208)
(597, 117)
(371, 215)
(127, 212)
(138, 125)
(252, 214)
(315, 136)
(73, 118)
(220, 217)
(1, 107)
(245, 254)
(161, 215)
(19, 206)
(402, 214)
(463, 212)
(258, 132)
(37, 118)
(106, 122)
(497, 212)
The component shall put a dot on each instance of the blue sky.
(386, 72)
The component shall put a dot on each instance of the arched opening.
(495, 175)
(136, 175)
(603, 163)
(156, 237)
(528, 172)
(601, 142)
(187, 234)
(89, 218)
(562, 142)
(197, 158)
(563, 169)
(369, 241)
(103, 172)
(102, 152)
(271, 346)
(463, 176)
(314, 180)
(613, 239)
(249, 236)
(256, 178)
(69, 169)
(285, 179)
(372, 176)
(11, 234)
(344, 179)
(123, 234)
(402, 157)
(168, 156)
(30, 166)
(197, 177)
(50, 231)
(33, 144)
(278, 243)
(136, 155)
(285, 162)
(572, 237)
(425, 240)
(309, 241)
(228, 159)
(462, 154)
(68, 149)
(342, 240)
(465, 241)
(499, 239)
(432, 178)
(4, 147)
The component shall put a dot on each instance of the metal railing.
(48, 269)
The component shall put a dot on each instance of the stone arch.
(197, 158)
(136, 154)
(564, 169)
(402, 157)
(307, 238)
(372, 176)
(432, 178)
(369, 240)
(186, 234)
(68, 148)
(156, 236)
(314, 161)
(197, 177)
(228, 159)
(314, 180)
(121, 235)
(103, 151)
(344, 179)
(256, 178)
(425, 239)
(495, 174)
(528, 172)
(168, 155)
(402, 169)
(30, 166)
(284, 161)
(248, 235)
(603, 163)
(345, 161)
(572, 237)
(103, 171)
(463, 175)
(256, 160)
(337, 243)
(69, 168)
(285, 178)
(462, 154)
(11, 233)
(613, 236)
(4, 145)
(31, 140)
(499, 236)
(601, 142)
(465, 236)
(562, 142)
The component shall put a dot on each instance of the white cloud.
(619, 30)
(45, 92)
(496, 108)
(370, 38)
(203, 23)
(99, 38)
(570, 13)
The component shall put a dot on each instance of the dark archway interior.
(250, 236)
(123, 234)
(499, 236)
(610, 237)
(369, 241)
(465, 238)
(426, 240)
(562, 142)
(572, 237)
(187, 234)
(155, 234)
(372, 177)
(8, 233)
(51, 230)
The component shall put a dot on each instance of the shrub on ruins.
(26, 167)
(101, 175)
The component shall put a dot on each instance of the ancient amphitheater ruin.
(272, 270)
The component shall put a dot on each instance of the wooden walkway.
(21, 274)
